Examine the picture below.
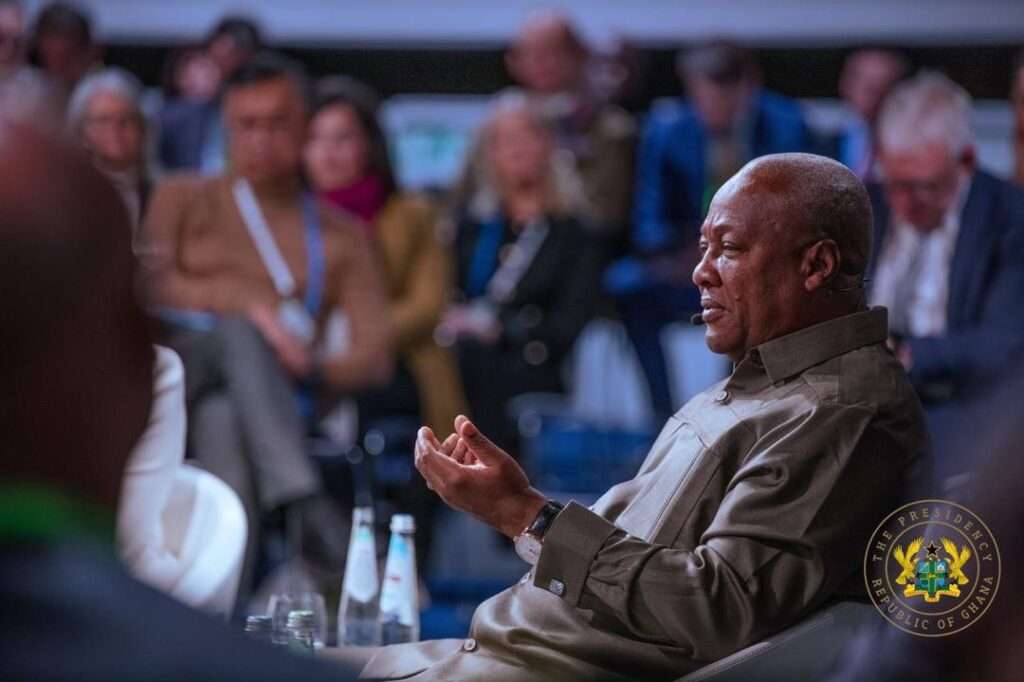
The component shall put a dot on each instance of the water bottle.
(399, 607)
(357, 611)
(301, 638)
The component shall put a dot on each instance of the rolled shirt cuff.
(570, 545)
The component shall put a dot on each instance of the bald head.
(76, 350)
(785, 245)
(814, 197)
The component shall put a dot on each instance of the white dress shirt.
(929, 296)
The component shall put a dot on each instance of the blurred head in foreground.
(77, 360)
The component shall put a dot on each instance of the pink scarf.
(364, 198)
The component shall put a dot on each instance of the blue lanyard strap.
(485, 257)
(314, 255)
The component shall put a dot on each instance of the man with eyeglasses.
(949, 251)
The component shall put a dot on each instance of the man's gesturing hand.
(474, 475)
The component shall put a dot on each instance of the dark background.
(984, 70)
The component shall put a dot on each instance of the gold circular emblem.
(932, 568)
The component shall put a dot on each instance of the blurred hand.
(290, 350)
(474, 475)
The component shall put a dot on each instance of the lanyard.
(500, 285)
(259, 231)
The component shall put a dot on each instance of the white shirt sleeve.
(149, 477)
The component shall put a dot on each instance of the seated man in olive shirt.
(247, 268)
(754, 505)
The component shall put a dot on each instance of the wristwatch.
(530, 541)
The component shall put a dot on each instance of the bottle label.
(399, 594)
(361, 565)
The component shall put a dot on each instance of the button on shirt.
(747, 514)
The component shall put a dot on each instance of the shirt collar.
(794, 353)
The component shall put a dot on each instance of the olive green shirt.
(751, 510)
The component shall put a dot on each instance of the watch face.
(528, 548)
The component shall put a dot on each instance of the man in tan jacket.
(246, 269)
(755, 503)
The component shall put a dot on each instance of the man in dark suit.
(948, 256)
(689, 148)
(76, 367)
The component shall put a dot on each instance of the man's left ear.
(820, 265)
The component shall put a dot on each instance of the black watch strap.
(545, 517)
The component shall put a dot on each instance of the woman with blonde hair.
(527, 269)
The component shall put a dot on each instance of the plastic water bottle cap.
(362, 515)
(403, 523)
(300, 619)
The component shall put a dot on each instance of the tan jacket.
(199, 256)
(751, 510)
(418, 272)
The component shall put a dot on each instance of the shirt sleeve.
(790, 530)
(161, 244)
(149, 478)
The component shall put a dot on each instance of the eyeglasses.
(928, 188)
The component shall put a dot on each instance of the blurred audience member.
(232, 42)
(1017, 100)
(192, 74)
(12, 38)
(105, 116)
(688, 149)
(26, 95)
(549, 61)
(62, 45)
(347, 162)
(192, 135)
(616, 72)
(29, 97)
(70, 416)
(247, 267)
(867, 77)
(527, 274)
(949, 251)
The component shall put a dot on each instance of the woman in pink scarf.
(347, 163)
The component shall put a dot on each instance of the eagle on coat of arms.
(933, 577)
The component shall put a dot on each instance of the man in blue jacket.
(688, 149)
(948, 256)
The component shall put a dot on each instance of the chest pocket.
(670, 484)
